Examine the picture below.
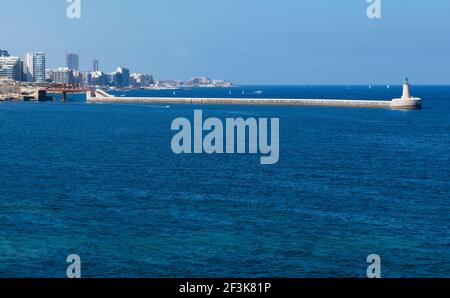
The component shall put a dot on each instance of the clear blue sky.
(246, 41)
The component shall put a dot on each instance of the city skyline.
(72, 65)
(72, 62)
(33, 69)
(247, 44)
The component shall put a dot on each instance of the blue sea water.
(101, 181)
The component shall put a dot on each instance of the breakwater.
(100, 96)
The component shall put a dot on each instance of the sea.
(101, 181)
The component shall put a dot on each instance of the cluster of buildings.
(30, 70)
(196, 82)
(33, 69)
(71, 74)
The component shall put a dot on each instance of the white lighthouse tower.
(406, 94)
(406, 101)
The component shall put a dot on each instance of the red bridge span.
(64, 89)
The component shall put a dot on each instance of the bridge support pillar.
(41, 95)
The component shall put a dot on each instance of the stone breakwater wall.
(103, 97)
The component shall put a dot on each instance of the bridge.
(65, 88)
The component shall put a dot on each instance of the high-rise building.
(95, 65)
(11, 68)
(72, 61)
(4, 53)
(35, 67)
(121, 77)
(63, 75)
(98, 78)
(86, 77)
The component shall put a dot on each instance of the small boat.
(259, 92)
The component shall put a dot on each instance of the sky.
(283, 42)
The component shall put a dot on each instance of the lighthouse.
(406, 94)
(406, 102)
